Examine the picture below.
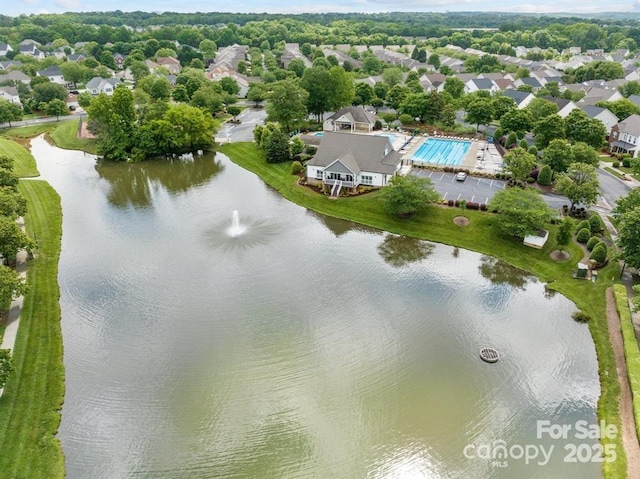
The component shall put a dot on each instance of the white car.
(461, 176)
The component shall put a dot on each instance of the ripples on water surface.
(314, 348)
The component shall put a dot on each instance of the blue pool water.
(442, 152)
(391, 136)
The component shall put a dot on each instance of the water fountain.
(236, 228)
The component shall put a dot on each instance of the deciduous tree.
(407, 195)
(521, 212)
(287, 103)
(520, 163)
(579, 184)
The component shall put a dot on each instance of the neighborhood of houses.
(623, 135)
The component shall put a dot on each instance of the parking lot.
(479, 190)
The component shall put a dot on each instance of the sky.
(15, 8)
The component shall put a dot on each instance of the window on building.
(319, 174)
(367, 179)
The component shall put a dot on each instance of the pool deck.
(481, 156)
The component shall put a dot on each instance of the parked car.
(461, 176)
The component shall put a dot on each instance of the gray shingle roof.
(516, 95)
(357, 152)
(630, 125)
(355, 114)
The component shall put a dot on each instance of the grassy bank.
(30, 407)
(62, 133)
(24, 164)
(631, 352)
(480, 235)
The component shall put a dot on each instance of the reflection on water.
(339, 227)
(399, 251)
(499, 272)
(304, 353)
(133, 184)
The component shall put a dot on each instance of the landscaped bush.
(483, 207)
(599, 254)
(531, 180)
(593, 241)
(581, 316)
(377, 125)
(523, 144)
(406, 119)
(583, 224)
(450, 202)
(583, 235)
(544, 177)
(473, 205)
(512, 139)
(296, 168)
(311, 150)
(595, 223)
(615, 164)
(533, 151)
(626, 161)
(534, 174)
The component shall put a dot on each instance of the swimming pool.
(391, 137)
(442, 152)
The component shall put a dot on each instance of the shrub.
(544, 177)
(311, 150)
(533, 151)
(593, 241)
(581, 316)
(595, 223)
(450, 202)
(377, 125)
(462, 204)
(523, 144)
(616, 164)
(531, 180)
(483, 207)
(406, 119)
(498, 133)
(583, 224)
(296, 168)
(583, 235)
(473, 205)
(626, 162)
(599, 254)
(534, 174)
(512, 139)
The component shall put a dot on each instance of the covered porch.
(623, 147)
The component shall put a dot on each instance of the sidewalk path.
(629, 437)
(11, 331)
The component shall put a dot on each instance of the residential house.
(350, 118)
(98, 85)
(4, 49)
(10, 93)
(54, 74)
(349, 160)
(504, 84)
(477, 84)
(564, 106)
(635, 99)
(31, 50)
(624, 136)
(433, 81)
(16, 76)
(608, 119)
(292, 52)
(243, 82)
(59, 53)
(9, 63)
(533, 82)
(342, 57)
(522, 98)
(171, 64)
(76, 57)
(229, 57)
(597, 94)
(118, 59)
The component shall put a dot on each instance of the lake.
(305, 347)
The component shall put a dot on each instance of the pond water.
(304, 347)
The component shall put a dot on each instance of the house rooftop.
(357, 152)
(354, 114)
(630, 125)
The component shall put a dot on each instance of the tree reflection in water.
(133, 184)
(499, 272)
(400, 251)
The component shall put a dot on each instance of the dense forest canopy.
(326, 28)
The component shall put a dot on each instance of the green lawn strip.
(30, 407)
(613, 172)
(28, 131)
(480, 235)
(24, 164)
(631, 351)
(65, 136)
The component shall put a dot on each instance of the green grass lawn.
(480, 235)
(24, 164)
(63, 133)
(30, 407)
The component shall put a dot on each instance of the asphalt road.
(47, 119)
(243, 131)
(611, 188)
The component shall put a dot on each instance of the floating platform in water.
(489, 355)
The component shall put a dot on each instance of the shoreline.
(437, 226)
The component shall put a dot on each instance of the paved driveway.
(243, 131)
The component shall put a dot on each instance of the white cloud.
(68, 4)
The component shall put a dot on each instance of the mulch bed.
(461, 220)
